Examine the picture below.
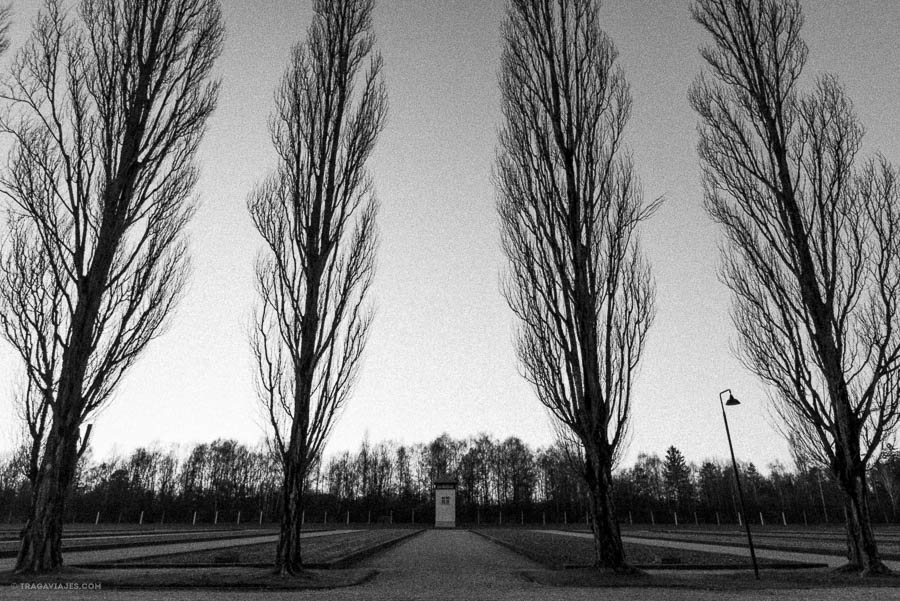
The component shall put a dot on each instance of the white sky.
(441, 355)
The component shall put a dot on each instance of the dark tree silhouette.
(107, 105)
(677, 477)
(498, 479)
(316, 213)
(569, 205)
(812, 256)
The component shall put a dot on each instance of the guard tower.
(445, 502)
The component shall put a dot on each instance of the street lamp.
(737, 478)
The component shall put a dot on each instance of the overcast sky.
(441, 357)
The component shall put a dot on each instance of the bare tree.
(316, 213)
(30, 304)
(813, 244)
(569, 206)
(106, 106)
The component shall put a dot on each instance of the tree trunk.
(288, 559)
(609, 553)
(862, 550)
(41, 538)
(850, 472)
(40, 548)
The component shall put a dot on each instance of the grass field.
(793, 584)
(227, 578)
(81, 541)
(825, 541)
(315, 551)
(235, 567)
(556, 551)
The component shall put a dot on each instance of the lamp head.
(731, 400)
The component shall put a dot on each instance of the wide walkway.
(454, 565)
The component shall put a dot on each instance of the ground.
(457, 564)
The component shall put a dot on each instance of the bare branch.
(105, 108)
(316, 213)
(812, 254)
(569, 207)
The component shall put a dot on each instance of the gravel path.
(100, 556)
(456, 565)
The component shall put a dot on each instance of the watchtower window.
(445, 500)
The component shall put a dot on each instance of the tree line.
(499, 482)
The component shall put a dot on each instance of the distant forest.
(500, 482)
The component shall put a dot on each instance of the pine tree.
(677, 479)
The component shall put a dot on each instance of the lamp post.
(737, 478)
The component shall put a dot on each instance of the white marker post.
(239, 517)
(97, 520)
(194, 522)
(141, 519)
